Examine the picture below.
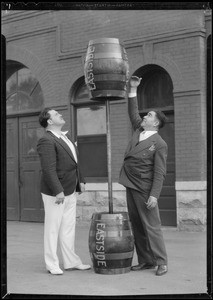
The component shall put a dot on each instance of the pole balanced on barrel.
(106, 73)
(111, 241)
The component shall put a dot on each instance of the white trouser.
(59, 226)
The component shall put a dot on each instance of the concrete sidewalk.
(26, 272)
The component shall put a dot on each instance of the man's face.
(55, 119)
(150, 121)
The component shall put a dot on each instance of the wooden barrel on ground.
(111, 243)
(106, 69)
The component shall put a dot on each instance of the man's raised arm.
(132, 102)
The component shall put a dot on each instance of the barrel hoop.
(114, 216)
(112, 271)
(112, 234)
(110, 77)
(104, 41)
(114, 226)
(108, 93)
(115, 256)
(104, 55)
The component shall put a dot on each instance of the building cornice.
(128, 43)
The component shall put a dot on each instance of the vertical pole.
(109, 157)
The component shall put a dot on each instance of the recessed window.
(90, 123)
(155, 90)
(23, 92)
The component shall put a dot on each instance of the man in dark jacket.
(143, 173)
(61, 179)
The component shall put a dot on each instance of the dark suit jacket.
(144, 166)
(60, 172)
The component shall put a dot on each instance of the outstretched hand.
(134, 81)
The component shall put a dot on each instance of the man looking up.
(143, 173)
(61, 179)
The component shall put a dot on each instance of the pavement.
(26, 273)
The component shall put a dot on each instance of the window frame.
(74, 105)
(17, 91)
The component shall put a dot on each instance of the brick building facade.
(52, 45)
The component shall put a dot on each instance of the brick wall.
(53, 38)
(53, 45)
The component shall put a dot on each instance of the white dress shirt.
(63, 136)
(146, 134)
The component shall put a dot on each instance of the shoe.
(81, 267)
(56, 272)
(162, 269)
(143, 266)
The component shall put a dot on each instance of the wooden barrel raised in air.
(106, 69)
(111, 243)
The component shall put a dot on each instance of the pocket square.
(152, 148)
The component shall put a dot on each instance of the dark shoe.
(143, 266)
(162, 269)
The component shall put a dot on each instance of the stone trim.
(191, 185)
(10, 16)
(31, 33)
(187, 93)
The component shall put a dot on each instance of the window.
(155, 91)
(23, 92)
(91, 134)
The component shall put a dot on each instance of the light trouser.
(59, 227)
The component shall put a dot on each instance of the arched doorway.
(89, 121)
(156, 93)
(24, 100)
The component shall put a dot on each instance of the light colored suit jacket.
(144, 166)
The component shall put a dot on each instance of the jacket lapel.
(64, 145)
(138, 147)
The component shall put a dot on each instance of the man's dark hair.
(44, 117)
(161, 118)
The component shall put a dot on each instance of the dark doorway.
(156, 92)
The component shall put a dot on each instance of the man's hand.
(60, 198)
(151, 202)
(134, 81)
(82, 188)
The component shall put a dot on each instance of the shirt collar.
(149, 131)
(57, 134)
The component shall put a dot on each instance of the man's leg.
(152, 229)
(67, 233)
(52, 221)
(141, 240)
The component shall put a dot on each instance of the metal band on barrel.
(114, 233)
(104, 40)
(105, 55)
(107, 216)
(110, 77)
(112, 271)
(116, 256)
(109, 93)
